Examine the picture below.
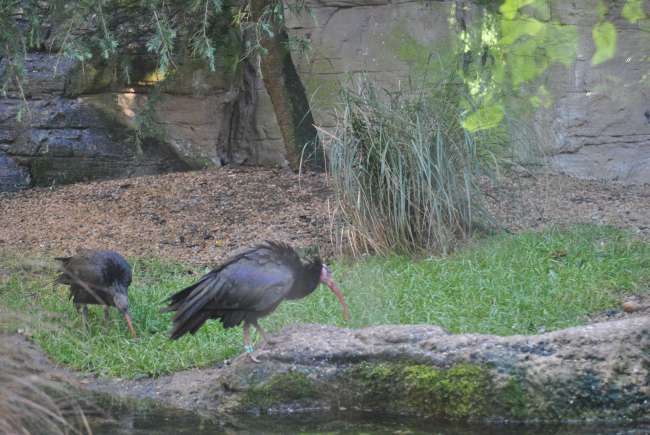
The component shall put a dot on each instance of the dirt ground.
(200, 217)
(194, 217)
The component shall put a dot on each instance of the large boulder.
(595, 372)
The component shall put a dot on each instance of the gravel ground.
(194, 217)
(201, 217)
(525, 200)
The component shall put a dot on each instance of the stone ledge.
(599, 372)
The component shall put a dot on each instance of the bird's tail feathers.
(191, 326)
(189, 303)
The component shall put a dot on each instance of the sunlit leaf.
(604, 35)
(527, 61)
(633, 11)
(511, 30)
(509, 8)
(484, 118)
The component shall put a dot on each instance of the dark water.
(162, 421)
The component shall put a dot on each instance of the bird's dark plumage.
(98, 278)
(244, 288)
(100, 271)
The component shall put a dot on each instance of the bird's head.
(326, 278)
(121, 301)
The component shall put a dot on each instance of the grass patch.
(502, 285)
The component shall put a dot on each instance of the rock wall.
(369, 37)
(599, 123)
(61, 138)
(82, 126)
(76, 123)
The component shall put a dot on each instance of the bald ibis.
(98, 278)
(246, 287)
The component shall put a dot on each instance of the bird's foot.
(249, 351)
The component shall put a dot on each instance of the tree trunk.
(288, 95)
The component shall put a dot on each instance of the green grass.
(501, 285)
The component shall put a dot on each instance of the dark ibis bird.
(249, 286)
(98, 278)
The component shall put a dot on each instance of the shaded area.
(135, 420)
(53, 137)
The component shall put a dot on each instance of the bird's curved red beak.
(330, 283)
(130, 325)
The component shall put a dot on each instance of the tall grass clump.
(404, 171)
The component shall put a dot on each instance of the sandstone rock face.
(373, 37)
(596, 127)
(595, 372)
(601, 130)
(81, 126)
(61, 138)
(74, 125)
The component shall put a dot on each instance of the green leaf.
(604, 35)
(509, 8)
(217, 5)
(601, 9)
(633, 11)
(527, 61)
(511, 30)
(561, 43)
(484, 118)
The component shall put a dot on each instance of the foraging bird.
(247, 287)
(98, 278)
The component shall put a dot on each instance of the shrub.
(404, 171)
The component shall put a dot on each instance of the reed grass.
(404, 172)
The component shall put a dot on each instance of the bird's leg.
(107, 315)
(265, 338)
(247, 342)
(84, 314)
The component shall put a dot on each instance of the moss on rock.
(461, 392)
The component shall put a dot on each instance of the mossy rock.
(461, 392)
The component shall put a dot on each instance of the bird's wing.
(252, 283)
(77, 268)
